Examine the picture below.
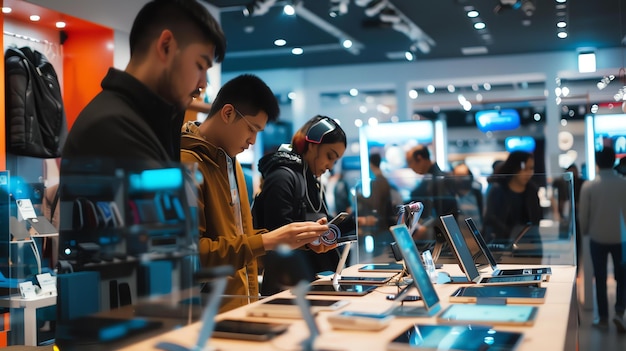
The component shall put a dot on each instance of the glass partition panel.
(127, 252)
(534, 225)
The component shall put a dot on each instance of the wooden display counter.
(554, 329)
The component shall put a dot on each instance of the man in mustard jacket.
(241, 110)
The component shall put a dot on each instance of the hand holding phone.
(330, 237)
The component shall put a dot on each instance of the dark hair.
(511, 166)
(249, 94)
(375, 159)
(301, 145)
(421, 150)
(187, 19)
(605, 158)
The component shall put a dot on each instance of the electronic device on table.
(288, 307)
(429, 303)
(485, 314)
(465, 261)
(337, 278)
(499, 294)
(454, 338)
(247, 330)
(478, 237)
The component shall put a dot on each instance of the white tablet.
(517, 315)
(288, 308)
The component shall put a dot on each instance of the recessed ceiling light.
(6, 10)
(297, 51)
(472, 14)
(35, 18)
(289, 10)
(409, 56)
(347, 43)
(60, 24)
(280, 42)
(562, 35)
(561, 24)
(480, 25)
(474, 50)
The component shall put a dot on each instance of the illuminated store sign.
(521, 143)
(495, 120)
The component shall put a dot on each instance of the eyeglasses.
(316, 133)
(253, 128)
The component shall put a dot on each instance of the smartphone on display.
(288, 308)
(528, 280)
(341, 289)
(382, 267)
(354, 320)
(516, 315)
(408, 298)
(246, 330)
(510, 294)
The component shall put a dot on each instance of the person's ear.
(165, 44)
(227, 113)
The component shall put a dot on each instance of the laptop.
(465, 261)
(478, 238)
(429, 303)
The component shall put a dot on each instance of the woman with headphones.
(291, 190)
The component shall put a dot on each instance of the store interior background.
(98, 38)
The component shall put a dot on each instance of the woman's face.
(322, 157)
(526, 173)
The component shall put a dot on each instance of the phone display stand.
(300, 291)
(404, 309)
(220, 276)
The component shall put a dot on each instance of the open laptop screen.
(481, 241)
(459, 247)
(412, 260)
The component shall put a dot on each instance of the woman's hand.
(296, 234)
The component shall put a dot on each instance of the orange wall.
(3, 148)
(87, 55)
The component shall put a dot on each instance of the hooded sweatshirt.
(281, 202)
(220, 243)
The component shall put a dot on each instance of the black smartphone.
(246, 330)
(407, 298)
(340, 289)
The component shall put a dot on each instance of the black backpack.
(258, 205)
(34, 114)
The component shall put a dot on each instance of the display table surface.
(30, 307)
(554, 329)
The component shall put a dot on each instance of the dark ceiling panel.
(591, 23)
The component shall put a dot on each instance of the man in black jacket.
(434, 189)
(139, 113)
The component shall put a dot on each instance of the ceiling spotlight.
(338, 7)
(258, 7)
(409, 56)
(289, 10)
(389, 16)
(375, 7)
